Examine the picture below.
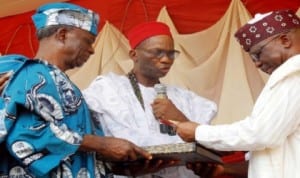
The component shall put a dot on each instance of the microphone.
(161, 92)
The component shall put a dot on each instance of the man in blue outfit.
(45, 125)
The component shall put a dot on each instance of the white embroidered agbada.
(271, 132)
(114, 104)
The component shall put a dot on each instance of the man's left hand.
(165, 109)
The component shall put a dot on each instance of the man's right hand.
(113, 149)
(141, 167)
(207, 170)
(186, 130)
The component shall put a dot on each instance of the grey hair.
(50, 30)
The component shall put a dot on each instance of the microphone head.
(160, 88)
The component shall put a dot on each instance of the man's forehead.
(157, 40)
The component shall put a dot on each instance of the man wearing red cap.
(271, 132)
(126, 106)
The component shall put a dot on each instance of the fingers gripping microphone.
(161, 92)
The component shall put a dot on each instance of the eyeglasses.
(159, 53)
(256, 55)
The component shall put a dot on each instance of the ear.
(133, 55)
(61, 34)
(286, 40)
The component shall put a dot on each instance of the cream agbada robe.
(271, 132)
(115, 106)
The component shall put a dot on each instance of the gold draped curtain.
(211, 63)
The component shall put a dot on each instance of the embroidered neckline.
(136, 88)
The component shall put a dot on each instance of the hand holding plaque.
(175, 155)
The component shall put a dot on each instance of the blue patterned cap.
(66, 14)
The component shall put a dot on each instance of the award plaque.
(181, 153)
(184, 152)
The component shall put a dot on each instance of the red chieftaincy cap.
(145, 30)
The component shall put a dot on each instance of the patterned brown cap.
(263, 26)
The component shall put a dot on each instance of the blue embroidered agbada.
(43, 118)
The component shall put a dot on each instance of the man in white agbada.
(126, 105)
(271, 132)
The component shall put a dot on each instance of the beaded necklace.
(136, 88)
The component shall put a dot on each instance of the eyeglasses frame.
(162, 52)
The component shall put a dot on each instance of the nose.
(166, 59)
(257, 63)
(91, 50)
